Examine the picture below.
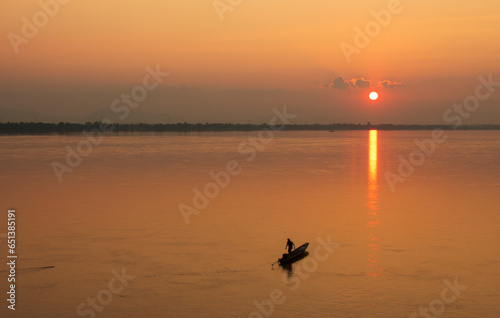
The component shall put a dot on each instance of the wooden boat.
(294, 255)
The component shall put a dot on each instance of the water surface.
(119, 209)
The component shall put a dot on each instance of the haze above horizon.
(213, 61)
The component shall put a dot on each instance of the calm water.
(389, 252)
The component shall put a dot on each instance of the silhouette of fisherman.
(290, 246)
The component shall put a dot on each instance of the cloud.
(388, 84)
(341, 83)
(362, 83)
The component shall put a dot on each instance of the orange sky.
(263, 52)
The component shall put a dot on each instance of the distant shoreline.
(64, 128)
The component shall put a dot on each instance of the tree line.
(62, 128)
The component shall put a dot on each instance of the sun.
(373, 96)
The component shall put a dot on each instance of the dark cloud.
(341, 83)
(362, 83)
(390, 84)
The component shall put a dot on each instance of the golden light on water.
(372, 160)
(373, 243)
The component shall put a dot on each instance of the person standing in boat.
(290, 246)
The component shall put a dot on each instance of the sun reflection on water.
(373, 268)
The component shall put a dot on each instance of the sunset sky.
(237, 65)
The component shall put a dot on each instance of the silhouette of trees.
(64, 128)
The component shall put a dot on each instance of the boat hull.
(294, 255)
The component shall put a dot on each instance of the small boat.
(294, 255)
